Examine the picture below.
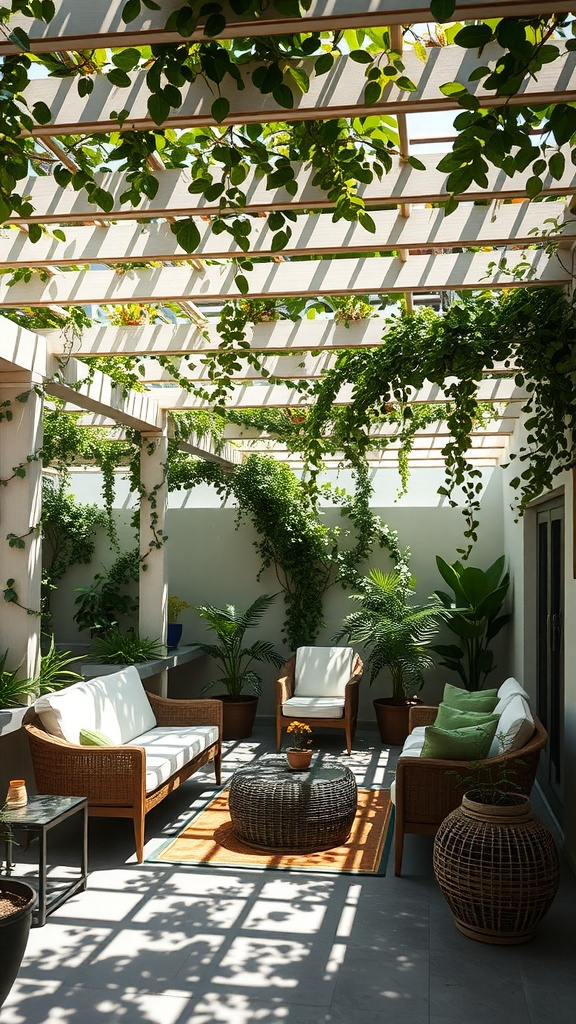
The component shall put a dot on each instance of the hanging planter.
(497, 867)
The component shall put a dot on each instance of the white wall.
(209, 561)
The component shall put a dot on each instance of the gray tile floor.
(158, 944)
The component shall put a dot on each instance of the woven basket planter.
(497, 868)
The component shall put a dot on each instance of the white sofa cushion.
(515, 727)
(314, 707)
(115, 704)
(509, 689)
(322, 671)
(169, 748)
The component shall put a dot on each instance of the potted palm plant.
(395, 636)
(235, 660)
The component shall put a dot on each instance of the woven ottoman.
(275, 808)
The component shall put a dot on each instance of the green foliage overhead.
(473, 614)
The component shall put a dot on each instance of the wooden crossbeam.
(451, 271)
(85, 24)
(205, 448)
(502, 427)
(312, 234)
(102, 396)
(278, 396)
(421, 443)
(403, 184)
(338, 95)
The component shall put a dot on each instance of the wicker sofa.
(155, 745)
(427, 789)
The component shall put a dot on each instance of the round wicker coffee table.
(275, 808)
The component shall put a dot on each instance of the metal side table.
(37, 818)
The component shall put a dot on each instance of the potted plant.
(175, 608)
(16, 904)
(395, 636)
(235, 660)
(298, 754)
(14, 692)
(473, 614)
(494, 861)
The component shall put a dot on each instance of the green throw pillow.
(93, 738)
(454, 718)
(469, 744)
(479, 700)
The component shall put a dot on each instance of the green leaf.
(85, 86)
(187, 234)
(130, 10)
(158, 107)
(20, 39)
(283, 96)
(41, 112)
(279, 241)
(127, 60)
(372, 92)
(406, 84)
(215, 24)
(323, 64)
(361, 57)
(119, 78)
(442, 10)
(241, 284)
(220, 109)
(452, 88)
(473, 37)
(557, 163)
(533, 186)
(34, 232)
(101, 198)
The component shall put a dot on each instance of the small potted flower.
(175, 606)
(298, 755)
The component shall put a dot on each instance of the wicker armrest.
(422, 714)
(186, 712)
(284, 685)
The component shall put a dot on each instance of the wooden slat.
(523, 224)
(85, 24)
(277, 396)
(102, 396)
(502, 427)
(490, 446)
(337, 95)
(403, 184)
(450, 271)
(205, 448)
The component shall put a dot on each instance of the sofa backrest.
(115, 705)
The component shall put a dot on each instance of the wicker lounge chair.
(332, 703)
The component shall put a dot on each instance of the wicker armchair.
(347, 721)
(113, 778)
(428, 789)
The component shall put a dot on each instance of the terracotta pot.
(497, 868)
(239, 715)
(393, 719)
(14, 930)
(299, 760)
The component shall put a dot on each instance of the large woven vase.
(498, 869)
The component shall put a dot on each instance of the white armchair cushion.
(116, 705)
(169, 748)
(509, 689)
(314, 707)
(322, 671)
(515, 727)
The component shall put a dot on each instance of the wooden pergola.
(424, 253)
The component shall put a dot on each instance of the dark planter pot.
(174, 635)
(393, 719)
(14, 930)
(239, 715)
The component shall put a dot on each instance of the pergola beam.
(278, 396)
(86, 24)
(100, 395)
(338, 95)
(450, 271)
(312, 234)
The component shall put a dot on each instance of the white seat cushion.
(393, 791)
(515, 727)
(322, 671)
(115, 705)
(314, 707)
(169, 748)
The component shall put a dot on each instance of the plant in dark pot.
(235, 660)
(16, 904)
(175, 608)
(473, 613)
(396, 636)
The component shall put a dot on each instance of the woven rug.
(208, 839)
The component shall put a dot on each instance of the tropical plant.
(101, 603)
(233, 659)
(473, 614)
(54, 669)
(12, 689)
(175, 608)
(116, 648)
(396, 635)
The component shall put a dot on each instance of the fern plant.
(394, 634)
(232, 657)
(116, 648)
